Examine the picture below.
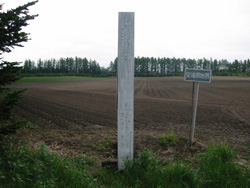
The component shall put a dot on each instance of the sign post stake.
(125, 88)
(196, 76)
(195, 102)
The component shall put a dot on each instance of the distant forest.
(144, 66)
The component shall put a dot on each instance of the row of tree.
(144, 66)
(63, 65)
(164, 66)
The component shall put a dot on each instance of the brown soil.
(80, 116)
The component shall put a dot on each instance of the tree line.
(69, 65)
(144, 66)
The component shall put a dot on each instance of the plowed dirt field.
(80, 116)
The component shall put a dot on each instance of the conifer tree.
(11, 35)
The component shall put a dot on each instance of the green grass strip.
(54, 79)
(216, 168)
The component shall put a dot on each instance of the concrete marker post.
(125, 88)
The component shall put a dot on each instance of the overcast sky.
(217, 29)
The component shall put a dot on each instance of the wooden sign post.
(196, 76)
(125, 88)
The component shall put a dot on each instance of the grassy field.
(54, 79)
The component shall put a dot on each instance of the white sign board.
(197, 75)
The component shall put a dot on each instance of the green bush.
(27, 168)
(147, 171)
(218, 169)
(215, 168)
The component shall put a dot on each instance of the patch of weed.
(148, 171)
(27, 168)
(30, 125)
(170, 138)
(218, 169)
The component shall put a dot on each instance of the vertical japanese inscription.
(125, 87)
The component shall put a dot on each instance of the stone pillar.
(125, 88)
